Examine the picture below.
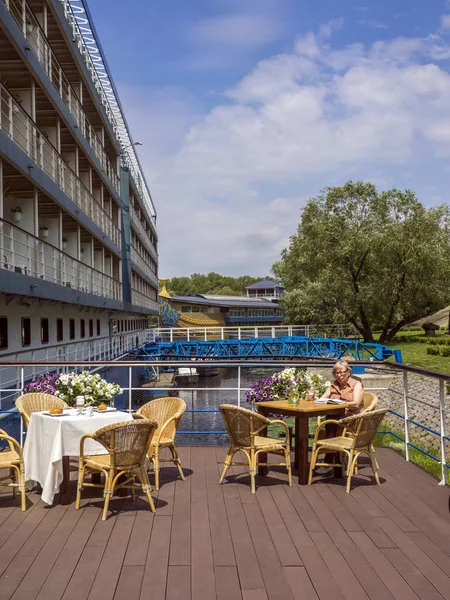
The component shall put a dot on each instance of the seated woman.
(347, 388)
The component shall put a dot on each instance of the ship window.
(3, 332)
(98, 327)
(82, 328)
(26, 331)
(44, 331)
(91, 327)
(72, 329)
(59, 330)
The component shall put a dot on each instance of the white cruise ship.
(78, 239)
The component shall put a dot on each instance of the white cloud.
(231, 194)
(445, 22)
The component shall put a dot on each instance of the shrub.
(430, 328)
(434, 350)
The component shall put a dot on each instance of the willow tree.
(378, 260)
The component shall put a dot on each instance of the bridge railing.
(418, 401)
(171, 334)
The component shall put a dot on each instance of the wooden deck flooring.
(208, 541)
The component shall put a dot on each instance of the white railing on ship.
(144, 266)
(31, 29)
(21, 252)
(169, 334)
(18, 125)
(135, 222)
(417, 401)
(140, 299)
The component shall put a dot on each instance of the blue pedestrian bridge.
(268, 348)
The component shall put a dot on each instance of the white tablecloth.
(50, 438)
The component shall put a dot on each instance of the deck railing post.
(130, 385)
(442, 429)
(405, 413)
(239, 386)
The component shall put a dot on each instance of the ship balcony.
(144, 267)
(139, 299)
(20, 128)
(36, 38)
(136, 223)
(21, 252)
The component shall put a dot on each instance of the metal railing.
(37, 40)
(144, 266)
(417, 400)
(136, 223)
(140, 299)
(20, 128)
(170, 334)
(22, 252)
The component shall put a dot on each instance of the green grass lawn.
(416, 353)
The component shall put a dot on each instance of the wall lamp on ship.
(122, 151)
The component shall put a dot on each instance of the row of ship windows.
(25, 330)
(122, 325)
(234, 312)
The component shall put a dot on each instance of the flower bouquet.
(68, 386)
(290, 383)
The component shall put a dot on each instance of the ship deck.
(209, 541)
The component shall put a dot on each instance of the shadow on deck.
(208, 541)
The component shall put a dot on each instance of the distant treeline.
(213, 283)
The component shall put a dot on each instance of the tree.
(378, 260)
(213, 283)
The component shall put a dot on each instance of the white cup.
(88, 411)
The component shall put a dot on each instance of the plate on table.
(49, 414)
(109, 409)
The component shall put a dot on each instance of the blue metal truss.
(267, 348)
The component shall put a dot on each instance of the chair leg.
(227, 463)
(155, 460)
(22, 486)
(13, 475)
(177, 461)
(288, 466)
(146, 488)
(314, 454)
(253, 457)
(108, 493)
(81, 468)
(350, 467)
(373, 462)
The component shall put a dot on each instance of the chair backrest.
(12, 443)
(242, 424)
(364, 426)
(370, 401)
(127, 442)
(161, 410)
(35, 402)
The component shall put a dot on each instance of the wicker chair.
(364, 427)
(167, 412)
(12, 459)
(127, 445)
(243, 427)
(370, 402)
(30, 403)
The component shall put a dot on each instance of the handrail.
(34, 34)
(15, 121)
(22, 252)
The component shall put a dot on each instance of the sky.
(247, 108)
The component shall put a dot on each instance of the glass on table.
(79, 404)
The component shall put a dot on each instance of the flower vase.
(294, 398)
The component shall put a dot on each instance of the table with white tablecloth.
(51, 438)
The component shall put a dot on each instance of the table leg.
(296, 445)
(64, 488)
(301, 452)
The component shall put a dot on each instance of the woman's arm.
(327, 392)
(358, 394)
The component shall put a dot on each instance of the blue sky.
(247, 108)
